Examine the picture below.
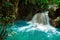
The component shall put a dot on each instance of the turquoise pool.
(26, 31)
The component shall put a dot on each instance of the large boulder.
(53, 15)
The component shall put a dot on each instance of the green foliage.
(42, 1)
(7, 16)
(33, 1)
(7, 4)
(42, 4)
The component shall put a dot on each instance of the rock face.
(26, 12)
(53, 17)
(57, 12)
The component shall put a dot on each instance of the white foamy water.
(44, 24)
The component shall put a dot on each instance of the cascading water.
(41, 18)
(41, 21)
(39, 28)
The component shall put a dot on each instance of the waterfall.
(41, 18)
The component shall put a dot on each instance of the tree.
(8, 12)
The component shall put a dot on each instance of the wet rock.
(53, 17)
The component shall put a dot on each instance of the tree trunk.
(8, 9)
